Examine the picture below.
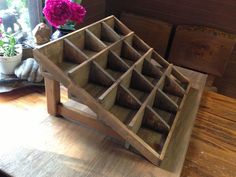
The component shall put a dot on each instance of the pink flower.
(57, 12)
(77, 12)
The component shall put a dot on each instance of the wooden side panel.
(56, 56)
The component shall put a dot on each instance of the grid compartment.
(87, 43)
(105, 33)
(127, 53)
(138, 44)
(112, 64)
(137, 85)
(92, 78)
(125, 106)
(118, 27)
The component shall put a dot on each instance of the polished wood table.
(212, 149)
(36, 144)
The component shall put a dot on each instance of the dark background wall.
(212, 13)
(96, 10)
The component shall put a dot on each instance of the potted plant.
(10, 53)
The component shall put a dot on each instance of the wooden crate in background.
(201, 48)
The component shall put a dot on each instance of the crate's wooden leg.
(52, 89)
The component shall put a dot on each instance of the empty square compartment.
(87, 43)
(152, 72)
(91, 77)
(138, 44)
(125, 106)
(118, 27)
(64, 54)
(165, 107)
(153, 138)
(159, 62)
(173, 90)
(137, 84)
(126, 52)
(105, 33)
(112, 64)
(179, 78)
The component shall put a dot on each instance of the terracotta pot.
(8, 64)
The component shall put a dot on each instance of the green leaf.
(7, 45)
(77, 1)
(1, 43)
(12, 40)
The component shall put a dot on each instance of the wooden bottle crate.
(136, 94)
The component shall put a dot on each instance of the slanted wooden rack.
(136, 94)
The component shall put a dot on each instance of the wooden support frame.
(52, 89)
(56, 108)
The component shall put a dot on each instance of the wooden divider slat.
(159, 59)
(162, 101)
(108, 33)
(140, 82)
(151, 70)
(73, 53)
(108, 100)
(120, 27)
(172, 87)
(99, 75)
(182, 78)
(129, 52)
(154, 121)
(80, 74)
(116, 62)
(92, 42)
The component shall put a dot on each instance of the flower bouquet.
(64, 14)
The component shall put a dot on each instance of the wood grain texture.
(212, 149)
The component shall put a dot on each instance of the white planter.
(8, 64)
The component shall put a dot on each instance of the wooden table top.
(33, 143)
(212, 149)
